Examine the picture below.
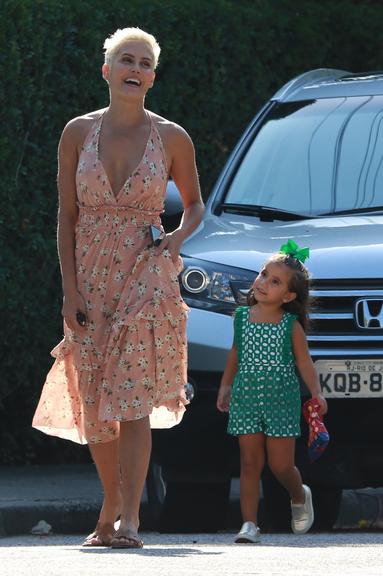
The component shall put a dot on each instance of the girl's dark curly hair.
(299, 283)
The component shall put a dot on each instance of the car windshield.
(315, 157)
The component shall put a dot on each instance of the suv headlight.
(214, 286)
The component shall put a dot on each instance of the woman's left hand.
(172, 242)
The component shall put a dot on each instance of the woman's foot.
(105, 530)
(128, 540)
(127, 534)
(102, 536)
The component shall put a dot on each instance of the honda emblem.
(369, 313)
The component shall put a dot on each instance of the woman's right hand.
(72, 306)
(223, 399)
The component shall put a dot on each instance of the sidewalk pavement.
(69, 497)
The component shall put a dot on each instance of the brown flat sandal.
(102, 536)
(129, 540)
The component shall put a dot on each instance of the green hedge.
(221, 60)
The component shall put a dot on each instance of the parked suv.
(308, 167)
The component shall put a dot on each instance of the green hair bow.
(294, 251)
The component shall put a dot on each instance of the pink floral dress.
(131, 360)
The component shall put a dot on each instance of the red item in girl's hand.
(318, 435)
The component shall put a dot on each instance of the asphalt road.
(335, 554)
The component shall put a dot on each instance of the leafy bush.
(221, 60)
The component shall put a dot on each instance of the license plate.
(350, 378)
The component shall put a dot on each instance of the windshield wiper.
(354, 211)
(266, 213)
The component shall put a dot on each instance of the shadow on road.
(174, 552)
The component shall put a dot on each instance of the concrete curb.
(69, 497)
(66, 517)
(66, 497)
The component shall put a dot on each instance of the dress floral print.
(131, 360)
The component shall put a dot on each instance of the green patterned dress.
(266, 393)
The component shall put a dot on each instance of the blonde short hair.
(113, 43)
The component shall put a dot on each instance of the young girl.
(264, 401)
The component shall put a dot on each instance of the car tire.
(326, 501)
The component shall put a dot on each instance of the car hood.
(340, 247)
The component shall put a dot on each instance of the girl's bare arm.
(306, 366)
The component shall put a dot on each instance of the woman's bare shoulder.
(169, 131)
(77, 129)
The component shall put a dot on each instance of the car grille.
(334, 318)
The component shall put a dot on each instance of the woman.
(122, 361)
